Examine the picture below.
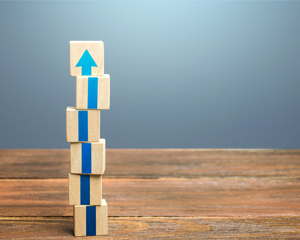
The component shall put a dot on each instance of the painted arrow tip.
(86, 62)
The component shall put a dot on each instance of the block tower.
(87, 149)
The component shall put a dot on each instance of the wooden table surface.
(159, 194)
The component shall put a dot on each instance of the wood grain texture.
(234, 196)
(102, 219)
(103, 96)
(96, 50)
(95, 189)
(34, 163)
(158, 194)
(71, 124)
(79, 220)
(156, 163)
(197, 163)
(97, 157)
(157, 228)
(80, 217)
(93, 125)
(75, 157)
(104, 92)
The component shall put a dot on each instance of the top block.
(86, 58)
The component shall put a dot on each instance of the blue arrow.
(86, 63)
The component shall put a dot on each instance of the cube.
(82, 126)
(85, 189)
(90, 220)
(88, 158)
(93, 92)
(86, 58)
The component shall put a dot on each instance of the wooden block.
(83, 126)
(85, 189)
(88, 158)
(90, 220)
(93, 92)
(86, 58)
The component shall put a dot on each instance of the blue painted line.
(82, 126)
(86, 62)
(86, 158)
(90, 220)
(84, 189)
(92, 92)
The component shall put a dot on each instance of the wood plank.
(198, 163)
(34, 163)
(156, 163)
(157, 228)
(160, 197)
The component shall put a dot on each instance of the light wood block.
(88, 158)
(90, 220)
(82, 126)
(86, 58)
(85, 189)
(93, 92)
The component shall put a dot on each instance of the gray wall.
(183, 74)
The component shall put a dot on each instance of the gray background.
(183, 74)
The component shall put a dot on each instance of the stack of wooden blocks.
(87, 149)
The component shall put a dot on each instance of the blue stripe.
(82, 126)
(84, 189)
(90, 220)
(92, 92)
(86, 158)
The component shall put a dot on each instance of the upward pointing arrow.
(86, 62)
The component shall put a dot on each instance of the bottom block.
(90, 220)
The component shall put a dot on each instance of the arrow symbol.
(86, 62)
